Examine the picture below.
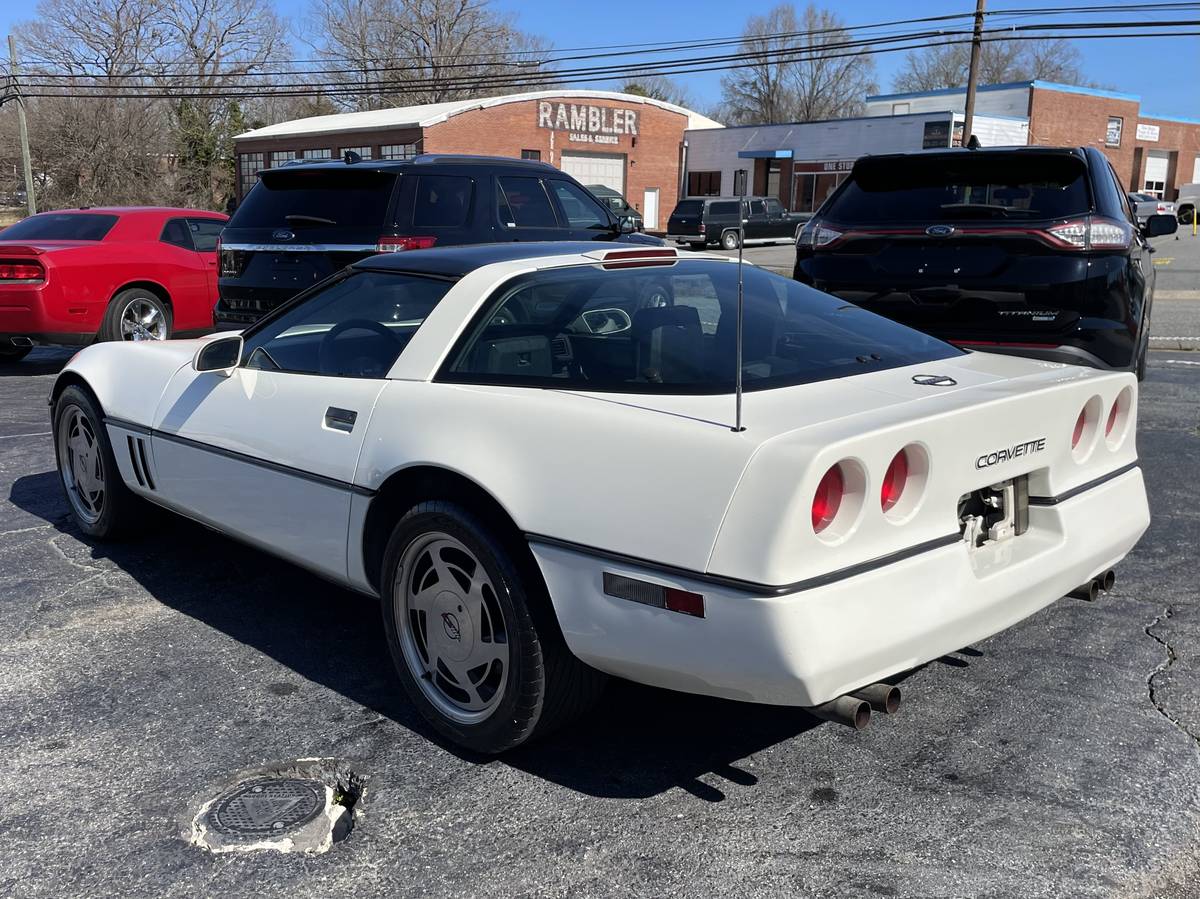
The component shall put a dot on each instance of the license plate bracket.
(996, 513)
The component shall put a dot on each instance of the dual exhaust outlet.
(1101, 583)
(854, 708)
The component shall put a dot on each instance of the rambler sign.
(587, 124)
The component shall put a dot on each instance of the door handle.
(340, 419)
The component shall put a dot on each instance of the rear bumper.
(32, 313)
(807, 647)
(697, 239)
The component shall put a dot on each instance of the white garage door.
(1157, 162)
(596, 168)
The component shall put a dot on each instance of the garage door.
(1157, 162)
(596, 168)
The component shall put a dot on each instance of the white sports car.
(527, 451)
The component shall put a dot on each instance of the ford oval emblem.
(934, 380)
(939, 230)
(282, 234)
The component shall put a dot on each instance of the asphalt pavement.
(1059, 758)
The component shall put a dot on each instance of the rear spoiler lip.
(22, 249)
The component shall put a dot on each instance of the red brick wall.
(1062, 119)
(1182, 140)
(508, 129)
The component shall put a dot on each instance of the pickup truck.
(1186, 202)
(702, 221)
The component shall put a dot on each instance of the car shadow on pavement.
(42, 361)
(638, 741)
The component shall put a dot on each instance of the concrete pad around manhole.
(304, 807)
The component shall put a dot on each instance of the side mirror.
(627, 224)
(1158, 225)
(223, 354)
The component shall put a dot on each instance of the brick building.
(1151, 153)
(629, 143)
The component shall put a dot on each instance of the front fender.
(128, 379)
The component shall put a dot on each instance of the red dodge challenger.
(121, 273)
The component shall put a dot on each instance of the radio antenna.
(739, 188)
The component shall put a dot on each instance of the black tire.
(545, 686)
(12, 353)
(729, 240)
(120, 509)
(112, 326)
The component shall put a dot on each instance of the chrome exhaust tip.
(847, 710)
(1107, 580)
(21, 341)
(881, 697)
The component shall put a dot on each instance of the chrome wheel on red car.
(143, 320)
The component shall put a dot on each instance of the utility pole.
(973, 74)
(30, 201)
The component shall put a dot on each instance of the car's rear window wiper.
(983, 209)
(301, 219)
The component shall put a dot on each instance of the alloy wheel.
(452, 628)
(143, 320)
(82, 465)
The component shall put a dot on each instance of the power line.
(615, 49)
(552, 78)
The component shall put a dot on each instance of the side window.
(443, 201)
(757, 207)
(774, 207)
(580, 209)
(522, 203)
(205, 233)
(726, 208)
(1123, 198)
(354, 328)
(176, 233)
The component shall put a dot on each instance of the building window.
(324, 153)
(363, 152)
(535, 155)
(249, 165)
(282, 157)
(900, 108)
(704, 184)
(397, 151)
(774, 167)
(1112, 134)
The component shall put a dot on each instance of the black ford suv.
(304, 221)
(1027, 250)
(702, 221)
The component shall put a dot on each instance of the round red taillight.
(1112, 417)
(1080, 424)
(894, 481)
(828, 498)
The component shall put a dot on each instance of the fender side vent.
(133, 460)
(137, 458)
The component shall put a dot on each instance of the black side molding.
(1082, 488)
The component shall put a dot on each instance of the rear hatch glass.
(967, 188)
(61, 226)
(686, 217)
(985, 274)
(298, 226)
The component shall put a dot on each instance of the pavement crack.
(36, 527)
(52, 543)
(1164, 666)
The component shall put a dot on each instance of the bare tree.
(165, 140)
(399, 52)
(212, 43)
(658, 87)
(799, 70)
(945, 64)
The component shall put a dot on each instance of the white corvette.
(526, 450)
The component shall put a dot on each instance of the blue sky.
(1157, 69)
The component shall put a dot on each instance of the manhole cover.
(268, 806)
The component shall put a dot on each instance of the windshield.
(61, 226)
(1017, 187)
(673, 330)
(316, 199)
